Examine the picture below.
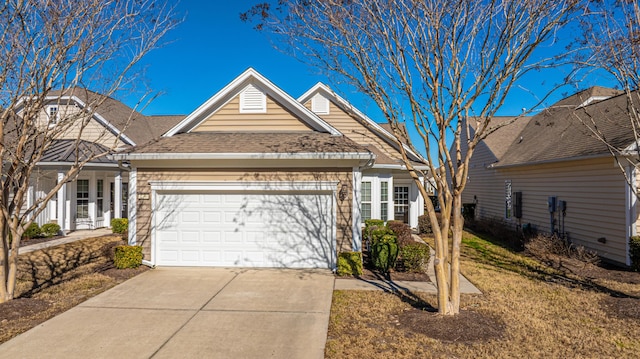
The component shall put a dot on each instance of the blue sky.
(212, 46)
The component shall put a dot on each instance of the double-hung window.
(82, 195)
(365, 201)
(384, 200)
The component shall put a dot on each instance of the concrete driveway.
(192, 313)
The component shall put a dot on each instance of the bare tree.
(54, 49)
(612, 44)
(430, 63)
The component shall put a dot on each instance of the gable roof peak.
(233, 88)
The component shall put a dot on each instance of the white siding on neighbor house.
(594, 190)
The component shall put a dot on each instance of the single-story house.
(550, 172)
(256, 178)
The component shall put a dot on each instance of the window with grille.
(99, 198)
(384, 200)
(365, 201)
(82, 198)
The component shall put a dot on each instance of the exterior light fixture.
(342, 195)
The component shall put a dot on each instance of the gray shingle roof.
(559, 133)
(248, 142)
(138, 127)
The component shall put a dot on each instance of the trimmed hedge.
(349, 263)
(127, 257)
(32, 231)
(119, 225)
(384, 251)
(634, 252)
(415, 257)
(50, 229)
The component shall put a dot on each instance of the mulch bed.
(370, 272)
(465, 327)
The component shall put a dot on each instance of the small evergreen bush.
(119, 225)
(349, 263)
(50, 229)
(32, 231)
(424, 224)
(384, 251)
(415, 257)
(634, 252)
(127, 257)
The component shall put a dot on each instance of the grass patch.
(53, 280)
(528, 309)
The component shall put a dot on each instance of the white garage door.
(245, 229)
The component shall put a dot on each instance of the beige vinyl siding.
(355, 130)
(93, 131)
(343, 215)
(229, 118)
(594, 190)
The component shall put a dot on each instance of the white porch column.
(30, 199)
(356, 216)
(132, 197)
(61, 202)
(117, 193)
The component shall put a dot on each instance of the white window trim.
(254, 91)
(57, 114)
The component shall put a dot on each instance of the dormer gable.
(352, 122)
(251, 103)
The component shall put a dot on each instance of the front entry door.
(401, 203)
(125, 197)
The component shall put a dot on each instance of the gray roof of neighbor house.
(499, 140)
(251, 142)
(138, 127)
(559, 132)
(67, 151)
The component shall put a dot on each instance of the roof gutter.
(243, 156)
(555, 160)
(400, 167)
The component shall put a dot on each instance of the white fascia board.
(89, 164)
(244, 156)
(235, 85)
(347, 106)
(399, 167)
(322, 186)
(97, 116)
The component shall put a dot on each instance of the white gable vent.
(253, 100)
(320, 104)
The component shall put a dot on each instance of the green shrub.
(384, 252)
(402, 232)
(127, 257)
(119, 225)
(634, 252)
(415, 257)
(349, 263)
(32, 231)
(373, 222)
(424, 224)
(50, 229)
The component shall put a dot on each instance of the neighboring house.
(254, 177)
(99, 193)
(550, 172)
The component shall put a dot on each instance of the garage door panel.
(256, 230)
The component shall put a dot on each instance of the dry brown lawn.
(528, 310)
(56, 279)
